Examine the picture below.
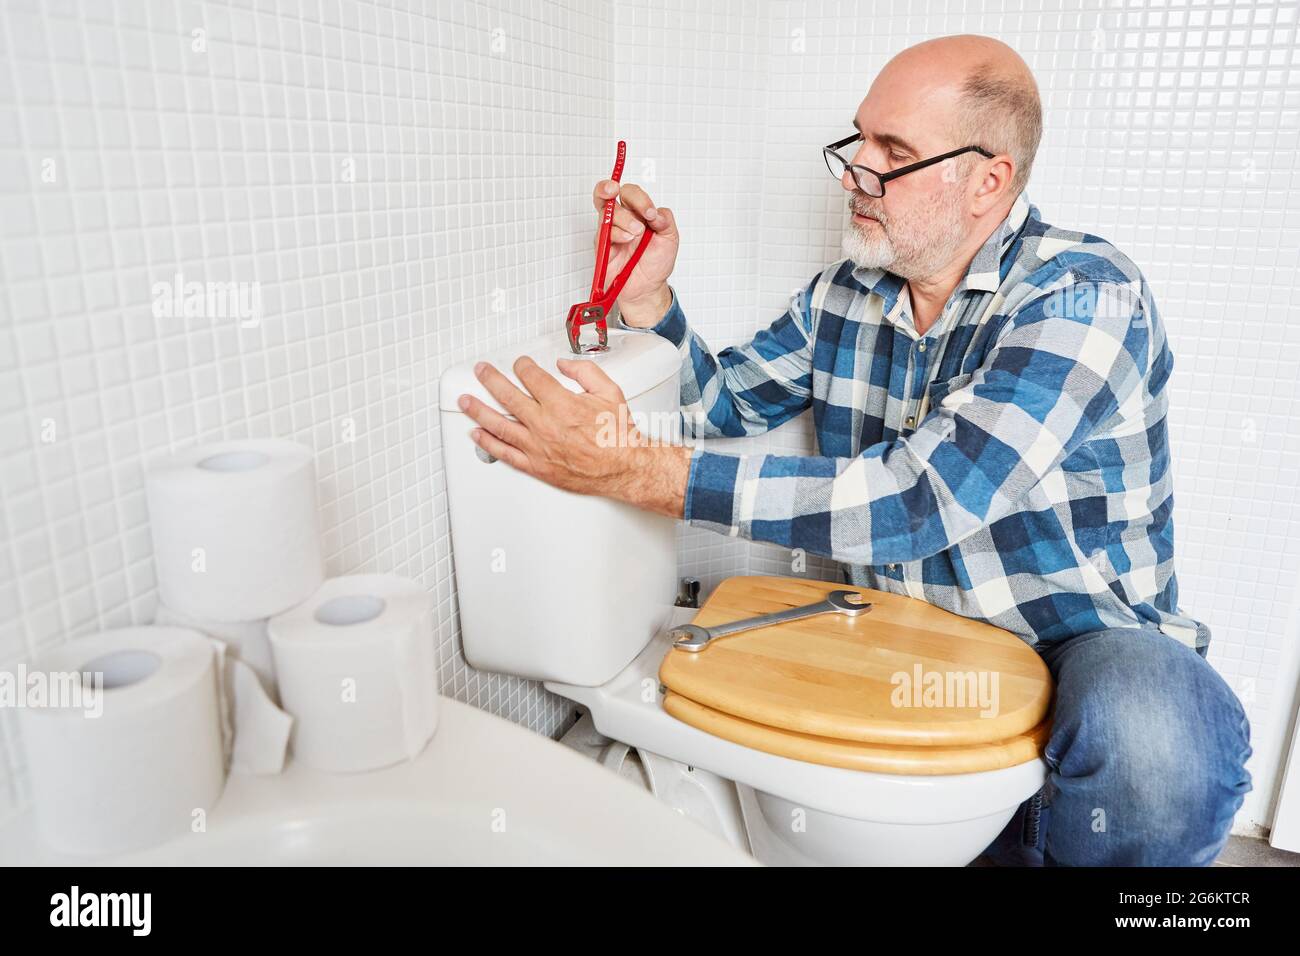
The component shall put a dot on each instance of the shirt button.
(910, 421)
(921, 347)
(893, 567)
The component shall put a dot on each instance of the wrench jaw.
(586, 313)
(849, 603)
(690, 637)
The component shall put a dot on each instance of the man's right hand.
(646, 296)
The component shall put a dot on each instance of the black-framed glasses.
(873, 183)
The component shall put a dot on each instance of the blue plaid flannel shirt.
(1010, 465)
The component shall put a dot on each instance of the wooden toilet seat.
(906, 688)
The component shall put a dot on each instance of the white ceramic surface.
(484, 791)
(541, 583)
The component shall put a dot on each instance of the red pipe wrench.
(594, 311)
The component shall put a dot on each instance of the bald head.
(977, 89)
(932, 99)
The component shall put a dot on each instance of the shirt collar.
(984, 273)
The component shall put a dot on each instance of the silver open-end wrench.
(692, 637)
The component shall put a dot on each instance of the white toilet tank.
(554, 585)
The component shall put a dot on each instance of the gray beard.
(917, 251)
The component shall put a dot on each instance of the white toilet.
(578, 591)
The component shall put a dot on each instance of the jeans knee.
(1149, 742)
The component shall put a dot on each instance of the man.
(989, 394)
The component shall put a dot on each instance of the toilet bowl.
(935, 791)
(851, 817)
(801, 720)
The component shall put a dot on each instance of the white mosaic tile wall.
(1171, 129)
(408, 184)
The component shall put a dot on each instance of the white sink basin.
(483, 792)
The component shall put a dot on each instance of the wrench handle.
(767, 620)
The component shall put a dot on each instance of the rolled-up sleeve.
(1062, 366)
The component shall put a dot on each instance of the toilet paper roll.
(356, 670)
(245, 640)
(234, 529)
(127, 759)
(254, 729)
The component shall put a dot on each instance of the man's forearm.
(657, 479)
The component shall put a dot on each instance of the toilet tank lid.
(636, 361)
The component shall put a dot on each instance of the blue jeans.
(1146, 758)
